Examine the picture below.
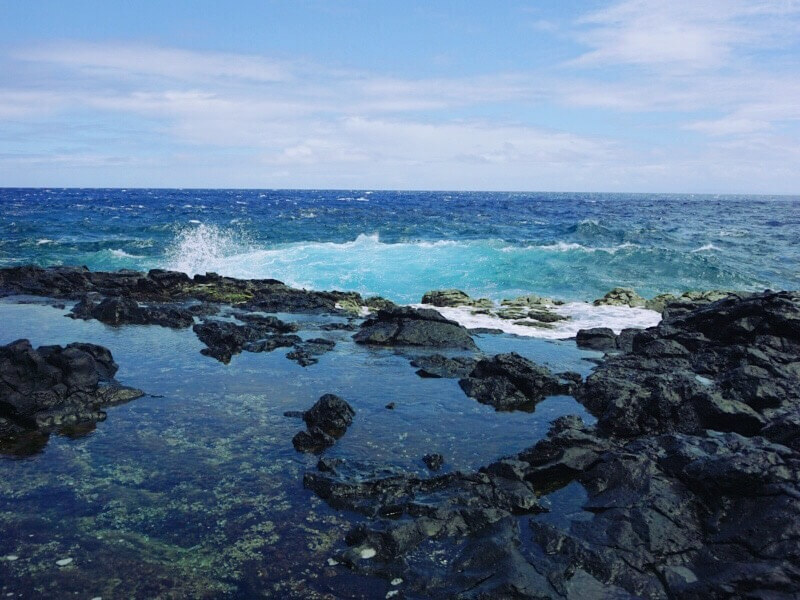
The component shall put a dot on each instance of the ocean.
(401, 244)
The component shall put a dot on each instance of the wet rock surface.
(406, 326)
(50, 387)
(691, 476)
(326, 422)
(126, 311)
(437, 365)
(307, 353)
(511, 382)
(268, 295)
(454, 297)
(224, 338)
(731, 366)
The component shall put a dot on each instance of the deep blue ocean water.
(401, 244)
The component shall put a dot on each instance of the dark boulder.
(510, 382)
(326, 422)
(51, 386)
(405, 326)
(596, 338)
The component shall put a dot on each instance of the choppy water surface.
(401, 244)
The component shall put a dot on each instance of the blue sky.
(633, 95)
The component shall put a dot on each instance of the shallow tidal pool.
(195, 490)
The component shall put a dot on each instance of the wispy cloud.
(710, 73)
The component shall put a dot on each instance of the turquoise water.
(401, 244)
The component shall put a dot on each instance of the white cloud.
(687, 34)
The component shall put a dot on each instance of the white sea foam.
(706, 248)
(44, 241)
(118, 253)
(582, 316)
(572, 247)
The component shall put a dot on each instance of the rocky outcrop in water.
(224, 339)
(454, 297)
(159, 286)
(437, 365)
(126, 311)
(406, 326)
(621, 296)
(326, 422)
(307, 353)
(511, 382)
(51, 386)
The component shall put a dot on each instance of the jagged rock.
(378, 303)
(727, 366)
(405, 326)
(224, 339)
(273, 343)
(436, 365)
(596, 338)
(267, 295)
(51, 386)
(511, 382)
(126, 311)
(454, 298)
(620, 296)
(326, 422)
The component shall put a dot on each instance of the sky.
(694, 96)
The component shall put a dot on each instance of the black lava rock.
(511, 382)
(326, 422)
(406, 326)
(596, 338)
(433, 461)
(51, 387)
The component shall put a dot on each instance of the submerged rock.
(51, 387)
(406, 326)
(326, 421)
(510, 382)
(306, 353)
(437, 365)
(433, 461)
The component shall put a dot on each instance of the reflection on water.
(196, 491)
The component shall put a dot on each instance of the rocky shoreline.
(691, 474)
